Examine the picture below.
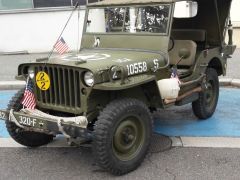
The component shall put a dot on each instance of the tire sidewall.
(199, 106)
(132, 108)
(212, 76)
(145, 122)
(26, 138)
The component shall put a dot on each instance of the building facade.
(33, 25)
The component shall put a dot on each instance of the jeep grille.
(64, 91)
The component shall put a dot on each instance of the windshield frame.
(170, 16)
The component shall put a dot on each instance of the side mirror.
(184, 53)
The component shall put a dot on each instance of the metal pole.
(63, 30)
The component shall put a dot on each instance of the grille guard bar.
(49, 125)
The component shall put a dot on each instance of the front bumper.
(54, 126)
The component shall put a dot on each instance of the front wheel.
(122, 135)
(26, 138)
(206, 104)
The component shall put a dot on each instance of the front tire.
(122, 135)
(206, 104)
(26, 138)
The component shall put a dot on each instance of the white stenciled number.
(137, 68)
(2, 115)
(27, 121)
(140, 66)
(156, 64)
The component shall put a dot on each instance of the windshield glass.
(150, 19)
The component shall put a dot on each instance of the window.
(52, 3)
(80, 2)
(15, 4)
(92, 1)
(149, 19)
(29, 4)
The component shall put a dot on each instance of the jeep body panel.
(123, 62)
(129, 64)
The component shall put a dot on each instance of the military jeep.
(135, 57)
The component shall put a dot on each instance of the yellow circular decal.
(43, 81)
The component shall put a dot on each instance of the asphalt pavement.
(78, 163)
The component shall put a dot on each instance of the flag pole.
(51, 52)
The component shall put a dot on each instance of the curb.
(13, 85)
(229, 82)
(206, 142)
(185, 142)
(14, 53)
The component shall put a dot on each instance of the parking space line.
(214, 142)
(208, 142)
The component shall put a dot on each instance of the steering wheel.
(171, 44)
(155, 29)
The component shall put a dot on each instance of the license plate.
(27, 121)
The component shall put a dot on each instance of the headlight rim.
(88, 74)
(31, 73)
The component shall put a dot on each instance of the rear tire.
(206, 104)
(26, 138)
(122, 136)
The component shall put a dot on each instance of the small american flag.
(29, 100)
(175, 75)
(61, 46)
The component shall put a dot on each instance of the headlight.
(31, 73)
(89, 79)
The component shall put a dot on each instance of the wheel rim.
(210, 94)
(128, 138)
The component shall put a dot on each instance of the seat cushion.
(197, 35)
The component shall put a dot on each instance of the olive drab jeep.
(135, 57)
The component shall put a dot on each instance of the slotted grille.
(64, 91)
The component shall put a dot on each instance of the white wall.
(235, 14)
(38, 31)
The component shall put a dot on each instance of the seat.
(197, 35)
(185, 64)
(183, 44)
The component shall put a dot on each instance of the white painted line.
(236, 82)
(176, 141)
(4, 83)
(215, 142)
(9, 142)
(225, 81)
(211, 142)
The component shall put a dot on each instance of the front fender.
(130, 82)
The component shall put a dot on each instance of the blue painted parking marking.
(180, 121)
(5, 97)
(225, 122)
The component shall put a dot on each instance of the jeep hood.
(96, 60)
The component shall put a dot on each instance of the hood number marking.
(137, 68)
